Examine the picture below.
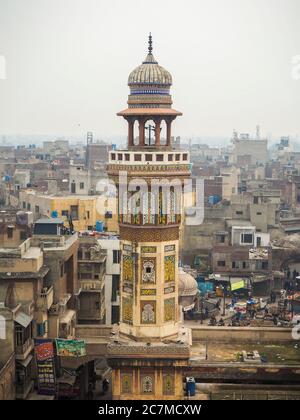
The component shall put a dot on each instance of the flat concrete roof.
(52, 221)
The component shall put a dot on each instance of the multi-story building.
(84, 210)
(22, 278)
(15, 227)
(96, 152)
(242, 253)
(249, 150)
(111, 245)
(60, 253)
(91, 281)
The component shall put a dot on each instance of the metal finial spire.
(150, 44)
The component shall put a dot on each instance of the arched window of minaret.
(163, 133)
(150, 133)
(136, 133)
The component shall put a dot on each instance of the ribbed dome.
(150, 72)
(187, 284)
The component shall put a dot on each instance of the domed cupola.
(149, 104)
(150, 84)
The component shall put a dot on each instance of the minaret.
(149, 222)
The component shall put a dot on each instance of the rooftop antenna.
(89, 137)
(258, 132)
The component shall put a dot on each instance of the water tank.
(24, 218)
(54, 214)
(214, 199)
(99, 226)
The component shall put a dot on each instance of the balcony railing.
(25, 348)
(45, 299)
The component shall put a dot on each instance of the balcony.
(23, 350)
(60, 307)
(45, 299)
(67, 323)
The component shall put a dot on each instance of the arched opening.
(163, 133)
(135, 133)
(150, 133)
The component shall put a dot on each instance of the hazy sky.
(67, 63)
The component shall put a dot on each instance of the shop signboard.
(70, 348)
(45, 362)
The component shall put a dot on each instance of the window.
(127, 157)
(137, 158)
(239, 212)
(120, 156)
(10, 232)
(23, 235)
(81, 185)
(170, 158)
(222, 239)
(244, 264)
(28, 206)
(97, 304)
(159, 158)
(108, 215)
(148, 158)
(65, 213)
(265, 265)
(36, 209)
(246, 238)
(87, 214)
(24, 204)
(74, 212)
(259, 213)
(116, 256)
(115, 287)
(255, 200)
(233, 264)
(113, 156)
(177, 157)
(73, 187)
(184, 156)
(221, 263)
(258, 241)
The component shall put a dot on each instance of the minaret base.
(144, 371)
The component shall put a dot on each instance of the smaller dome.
(187, 284)
(150, 72)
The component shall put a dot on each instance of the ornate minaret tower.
(149, 221)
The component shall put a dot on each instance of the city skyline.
(70, 78)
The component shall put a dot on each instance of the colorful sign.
(45, 361)
(237, 285)
(70, 348)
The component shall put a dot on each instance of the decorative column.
(141, 132)
(168, 122)
(157, 132)
(130, 132)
